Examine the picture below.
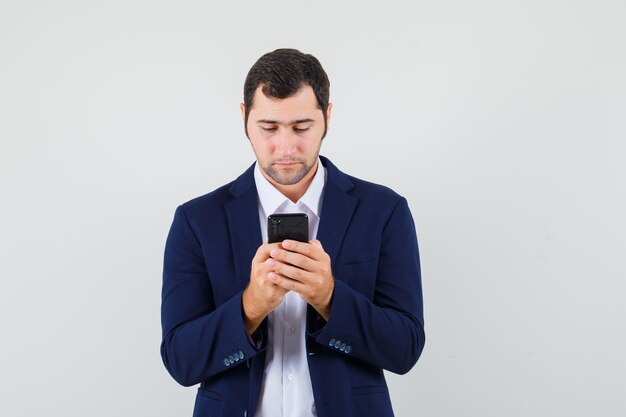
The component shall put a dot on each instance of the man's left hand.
(304, 268)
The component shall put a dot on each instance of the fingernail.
(274, 252)
(286, 243)
(270, 262)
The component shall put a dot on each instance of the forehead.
(300, 105)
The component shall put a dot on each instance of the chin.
(288, 181)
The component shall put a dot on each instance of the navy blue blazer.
(376, 317)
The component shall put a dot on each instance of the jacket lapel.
(243, 224)
(337, 210)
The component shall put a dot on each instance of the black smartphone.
(294, 226)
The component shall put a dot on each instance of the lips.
(286, 164)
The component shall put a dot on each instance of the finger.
(306, 249)
(263, 252)
(317, 243)
(274, 287)
(289, 271)
(293, 258)
(286, 282)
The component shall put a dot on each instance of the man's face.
(286, 135)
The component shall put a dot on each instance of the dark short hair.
(281, 73)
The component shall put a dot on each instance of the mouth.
(286, 164)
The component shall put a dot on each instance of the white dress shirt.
(286, 388)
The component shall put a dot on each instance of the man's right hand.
(261, 296)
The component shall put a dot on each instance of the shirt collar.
(271, 199)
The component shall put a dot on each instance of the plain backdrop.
(502, 122)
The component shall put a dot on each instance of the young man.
(291, 328)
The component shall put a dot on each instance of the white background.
(502, 123)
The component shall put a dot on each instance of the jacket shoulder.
(210, 201)
(371, 191)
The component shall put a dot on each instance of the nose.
(286, 143)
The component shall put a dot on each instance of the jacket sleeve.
(199, 339)
(388, 330)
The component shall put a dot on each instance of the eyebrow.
(293, 122)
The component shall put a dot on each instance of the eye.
(269, 129)
(300, 130)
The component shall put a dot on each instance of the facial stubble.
(304, 167)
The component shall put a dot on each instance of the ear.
(243, 111)
(328, 110)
